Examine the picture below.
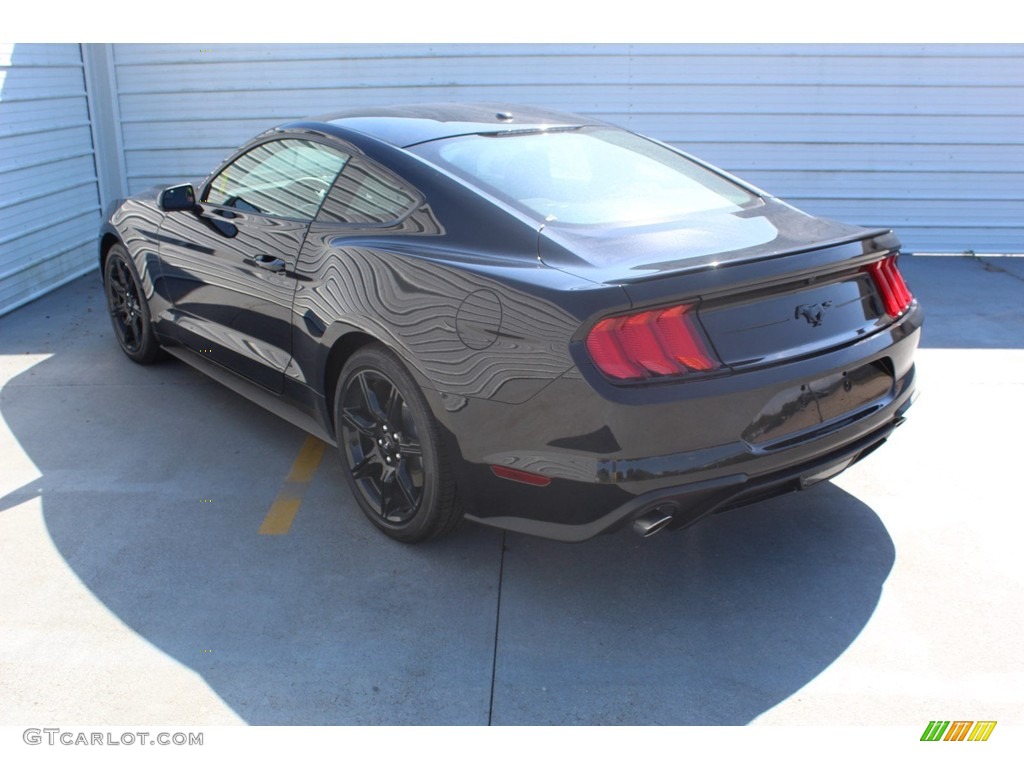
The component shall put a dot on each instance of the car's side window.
(287, 178)
(366, 194)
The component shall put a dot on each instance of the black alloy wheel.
(128, 312)
(389, 443)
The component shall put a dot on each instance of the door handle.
(270, 263)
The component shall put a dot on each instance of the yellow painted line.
(279, 519)
(282, 512)
(307, 461)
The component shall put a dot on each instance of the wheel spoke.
(116, 290)
(406, 486)
(387, 488)
(370, 398)
(364, 466)
(134, 330)
(358, 421)
(393, 408)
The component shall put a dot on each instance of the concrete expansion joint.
(989, 266)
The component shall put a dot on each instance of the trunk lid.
(709, 240)
(769, 283)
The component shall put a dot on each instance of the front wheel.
(395, 462)
(129, 313)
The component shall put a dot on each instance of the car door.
(229, 265)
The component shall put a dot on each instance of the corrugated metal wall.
(49, 201)
(926, 139)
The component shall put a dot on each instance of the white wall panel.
(928, 139)
(958, 187)
(49, 203)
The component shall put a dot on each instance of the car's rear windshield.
(587, 176)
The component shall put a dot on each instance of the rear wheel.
(391, 447)
(129, 313)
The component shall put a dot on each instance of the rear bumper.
(688, 503)
(607, 458)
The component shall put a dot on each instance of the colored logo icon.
(958, 730)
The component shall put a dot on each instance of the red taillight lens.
(683, 339)
(896, 297)
(605, 348)
(658, 342)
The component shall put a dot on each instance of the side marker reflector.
(519, 475)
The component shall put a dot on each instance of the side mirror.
(178, 198)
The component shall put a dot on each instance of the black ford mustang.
(528, 319)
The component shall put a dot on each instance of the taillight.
(896, 297)
(657, 342)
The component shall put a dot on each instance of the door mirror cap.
(178, 198)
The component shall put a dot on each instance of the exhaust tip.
(654, 521)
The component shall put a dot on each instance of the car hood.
(614, 255)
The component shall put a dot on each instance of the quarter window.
(366, 194)
(287, 178)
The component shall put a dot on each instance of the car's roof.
(405, 125)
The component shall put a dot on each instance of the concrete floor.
(136, 589)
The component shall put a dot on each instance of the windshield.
(588, 176)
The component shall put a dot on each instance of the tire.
(391, 449)
(129, 313)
